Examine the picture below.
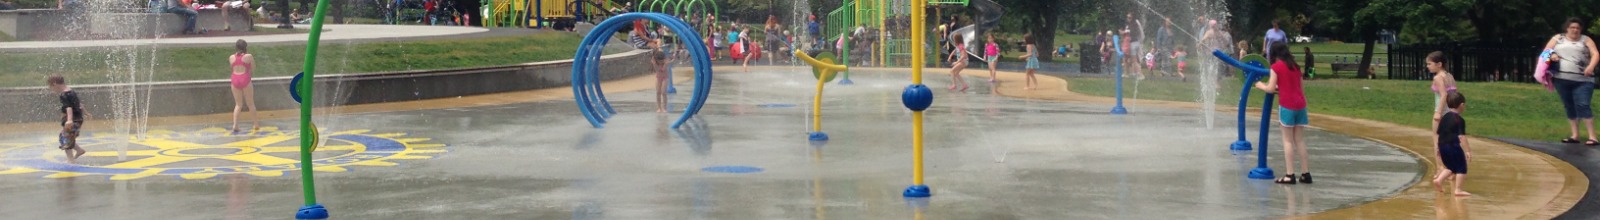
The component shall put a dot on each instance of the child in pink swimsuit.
(242, 63)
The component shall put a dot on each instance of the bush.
(34, 4)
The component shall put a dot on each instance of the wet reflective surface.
(988, 157)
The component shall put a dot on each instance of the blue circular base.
(817, 143)
(1261, 173)
(846, 81)
(817, 136)
(1119, 110)
(313, 211)
(918, 191)
(1240, 145)
(672, 90)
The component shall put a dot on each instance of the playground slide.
(988, 18)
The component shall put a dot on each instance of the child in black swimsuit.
(72, 117)
(1452, 150)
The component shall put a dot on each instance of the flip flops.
(1286, 179)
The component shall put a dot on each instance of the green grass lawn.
(200, 63)
(1516, 110)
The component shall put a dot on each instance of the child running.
(72, 117)
(1150, 60)
(1452, 150)
(1285, 81)
(958, 61)
(991, 54)
(1182, 58)
(1033, 62)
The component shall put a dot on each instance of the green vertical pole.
(307, 139)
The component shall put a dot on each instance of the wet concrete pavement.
(989, 157)
(1585, 158)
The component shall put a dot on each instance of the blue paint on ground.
(732, 169)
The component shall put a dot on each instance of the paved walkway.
(333, 33)
(1507, 182)
(1586, 158)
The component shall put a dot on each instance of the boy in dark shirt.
(72, 116)
(1452, 149)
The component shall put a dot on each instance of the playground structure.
(891, 47)
(1253, 71)
(987, 18)
(680, 7)
(557, 14)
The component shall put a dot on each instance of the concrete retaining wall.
(36, 104)
(45, 24)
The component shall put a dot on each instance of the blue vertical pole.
(1261, 171)
(538, 12)
(1118, 110)
(1244, 102)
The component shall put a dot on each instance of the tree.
(1042, 16)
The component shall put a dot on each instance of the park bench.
(1344, 67)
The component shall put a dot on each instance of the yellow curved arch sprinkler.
(824, 70)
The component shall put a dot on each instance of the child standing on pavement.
(72, 117)
(1033, 62)
(1452, 150)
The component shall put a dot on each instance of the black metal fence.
(1469, 62)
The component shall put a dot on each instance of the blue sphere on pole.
(917, 97)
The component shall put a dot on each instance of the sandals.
(1591, 142)
(1286, 179)
(1569, 140)
(1305, 178)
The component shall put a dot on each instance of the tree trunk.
(283, 13)
(1371, 37)
(338, 10)
(1042, 26)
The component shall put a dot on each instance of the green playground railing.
(899, 53)
(840, 21)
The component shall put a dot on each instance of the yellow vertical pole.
(883, 33)
(917, 29)
(816, 106)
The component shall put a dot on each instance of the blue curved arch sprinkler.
(1117, 42)
(586, 90)
(1254, 71)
